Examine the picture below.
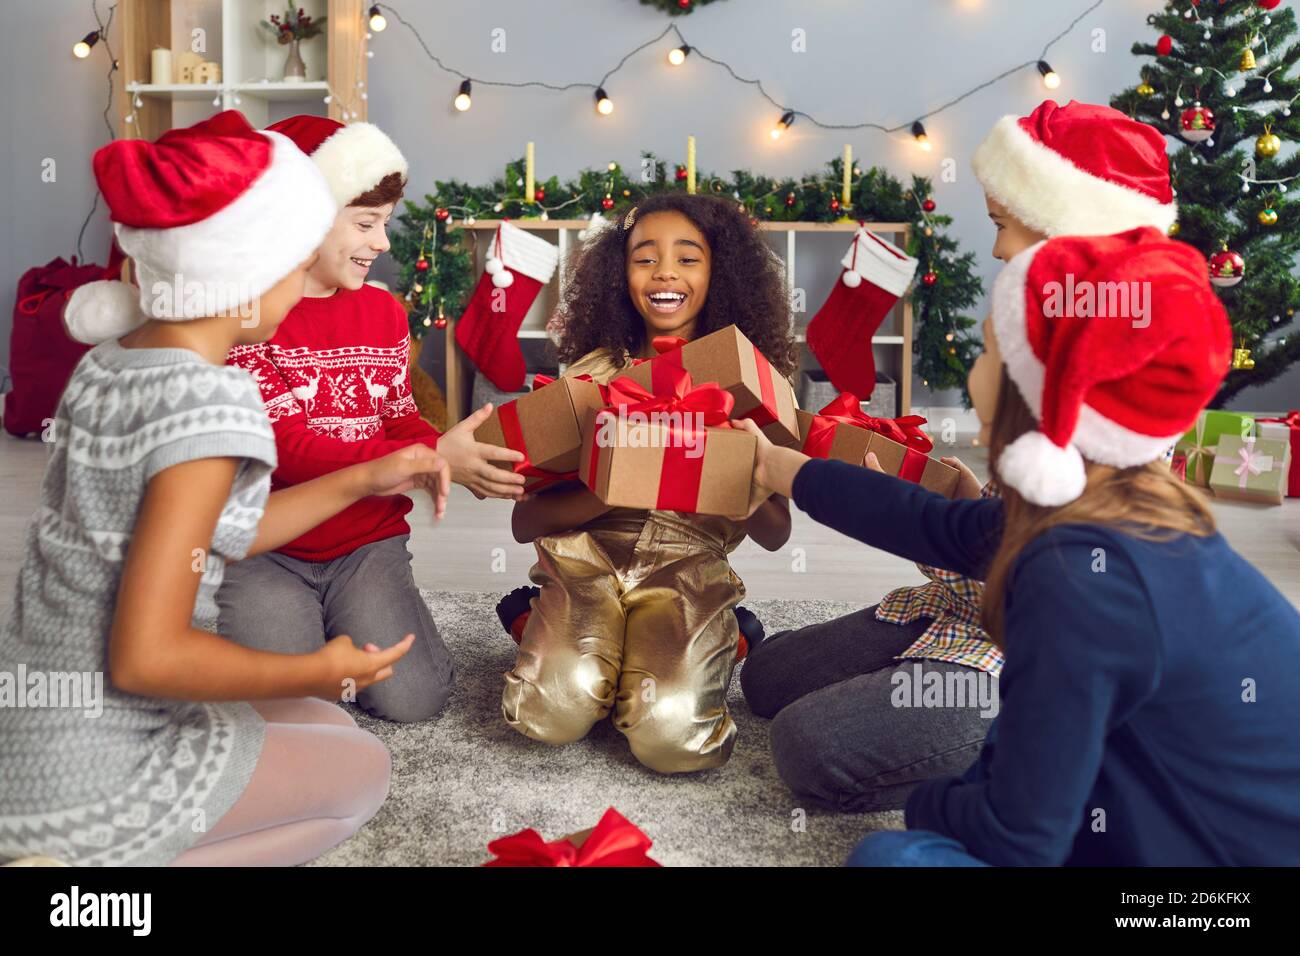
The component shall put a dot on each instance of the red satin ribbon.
(614, 842)
(847, 410)
(669, 357)
(1178, 465)
(514, 435)
(1292, 421)
(679, 482)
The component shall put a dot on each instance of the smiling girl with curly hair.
(635, 610)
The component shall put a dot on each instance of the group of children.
(221, 533)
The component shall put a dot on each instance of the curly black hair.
(746, 285)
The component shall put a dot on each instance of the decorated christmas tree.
(1220, 81)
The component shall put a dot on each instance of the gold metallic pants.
(634, 617)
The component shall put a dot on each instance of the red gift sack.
(41, 356)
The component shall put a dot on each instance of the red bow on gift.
(847, 410)
(614, 842)
(1292, 421)
(662, 344)
(673, 392)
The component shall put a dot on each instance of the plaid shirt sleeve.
(952, 603)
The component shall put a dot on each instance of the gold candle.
(690, 165)
(528, 175)
(848, 175)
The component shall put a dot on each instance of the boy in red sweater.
(337, 389)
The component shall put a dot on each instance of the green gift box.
(1250, 469)
(1198, 445)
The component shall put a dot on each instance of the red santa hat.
(1078, 170)
(212, 216)
(1116, 343)
(354, 158)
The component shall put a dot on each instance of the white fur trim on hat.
(1051, 195)
(356, 158)
(880, 262)
(523, 252)
(98, 311)
(1043, 472)
(220, 264)
(1096, 437)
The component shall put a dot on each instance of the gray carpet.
(465, 778)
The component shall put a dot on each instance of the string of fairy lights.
(682, 49)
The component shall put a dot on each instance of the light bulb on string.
(462, 101)
(377, 21)
(919, 134)
(604, 105)
(783, 124)
(1051, 79)
(81, 49)
(677, 55)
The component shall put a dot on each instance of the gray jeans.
(838, 740)
(272, 602)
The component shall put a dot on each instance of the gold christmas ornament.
(1247, 59)
(1241, 359)
(1174, 229)
(1145, 89)
(1268, 217)
(1269, 144)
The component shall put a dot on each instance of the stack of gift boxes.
(1242, 457)
(660, 435)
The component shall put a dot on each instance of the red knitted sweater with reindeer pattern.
(335, 379)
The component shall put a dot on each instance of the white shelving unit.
(897, 344)
(227, 32)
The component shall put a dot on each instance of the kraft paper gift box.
(727, 358)
(843, 432)
(546, 425)
(1250, 469)
(647, 450)
(1284, 428)
(1197, 446)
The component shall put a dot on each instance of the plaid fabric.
(952, 601)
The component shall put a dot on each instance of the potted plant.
(295, 27)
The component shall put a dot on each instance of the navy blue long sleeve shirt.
(1150, 702)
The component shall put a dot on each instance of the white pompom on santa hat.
(1078, 170)
(1115, 343)
(354, 158)
(212, 215)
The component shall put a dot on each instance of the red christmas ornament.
(539, 194)
(607, 203)
(683, 3)
(1267, 4)
(930, 278)
(441, 214)
(1227, 268)
(681, 174)
(421, 265)
(440, 322)
(835, 205)
(789, 199)
(1196, 125)
(928, 205)
(1165, 45)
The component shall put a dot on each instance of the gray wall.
(866, 60)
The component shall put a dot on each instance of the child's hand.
(758, 495)
(416, 466)
(774, 467)
(343, 662)
(472, 461)
(968, 485)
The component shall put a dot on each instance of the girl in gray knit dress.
(124, 738)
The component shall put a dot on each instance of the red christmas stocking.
(519, 264)
(875, 274)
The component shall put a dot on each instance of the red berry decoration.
(681, 174)
(421, 265)
(683, 3)
(607, 203)
(930, 278)
(441, 214)
(440, 322)
(928, 205)
(1196, 125)
(1165, 45)
(539, 194)
(835, 205)
(789, 199)
(1227, 268)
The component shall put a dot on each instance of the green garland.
(943, 344)
(675, 9)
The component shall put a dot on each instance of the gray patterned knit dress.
(142, 781)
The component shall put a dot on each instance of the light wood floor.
(472, 548)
